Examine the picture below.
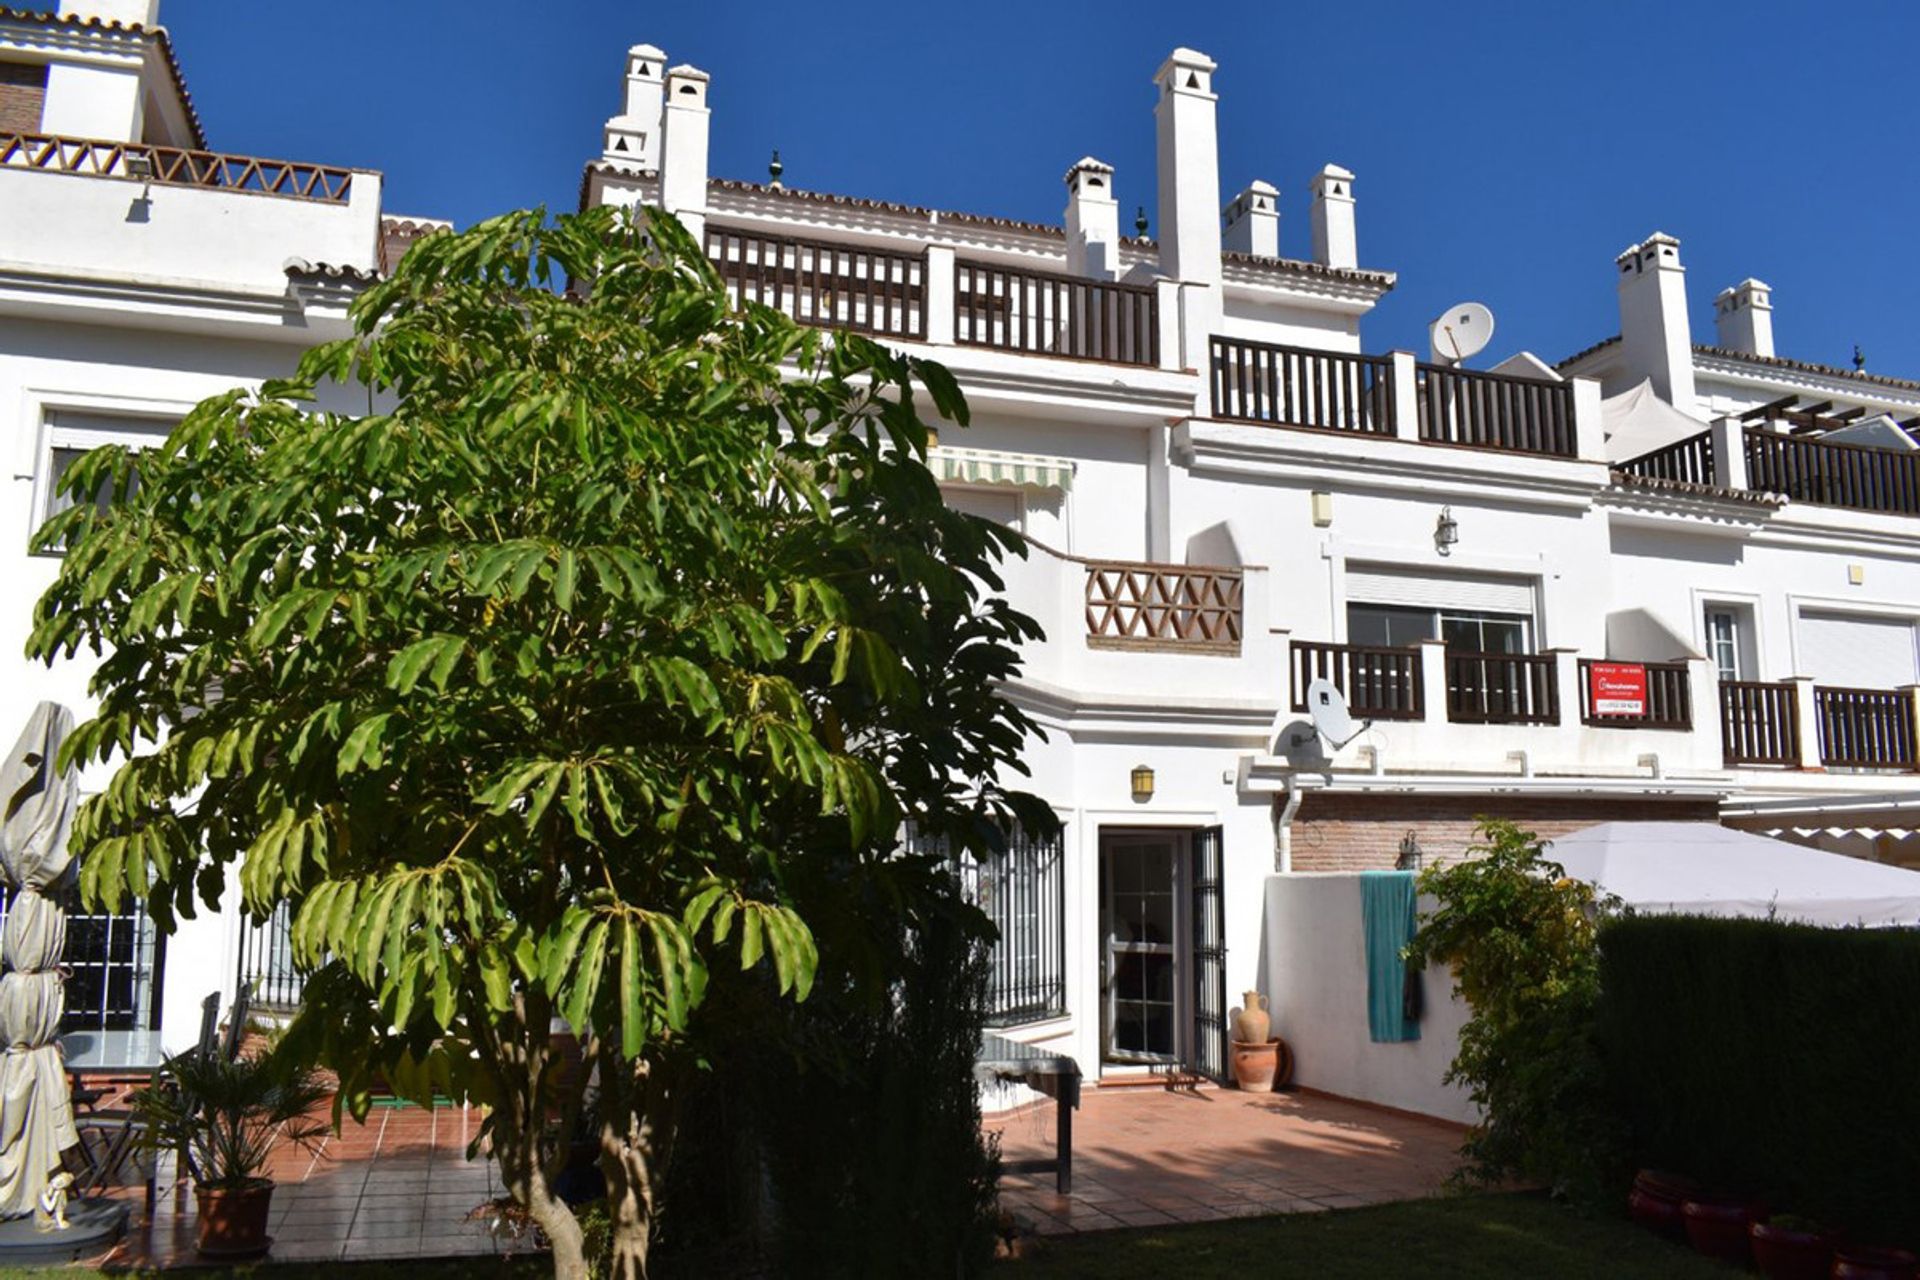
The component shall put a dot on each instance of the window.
(1002, 506)
(1388, 626)
(1023, 892)
(70, 435)
(1465, 631)
(113, 967)
(1723, 642)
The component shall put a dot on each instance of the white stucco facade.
(1223, 483)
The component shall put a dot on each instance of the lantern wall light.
(1142, 783)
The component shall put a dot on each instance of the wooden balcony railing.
(1669, 699)
(1759, 724)
(1040, 313)
(1865, 728)
(1832, 474)
(1379, 683)
(1502, 688)
(1495, 411)
(834, 286)
(1192, 608)
(1690, 460)
(1300, 387)
(173, 167)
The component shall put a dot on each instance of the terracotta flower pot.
(233, 1220)
(1655, 1202)
(1721, 1228)
(1255, 1065)
(1783, 1253)
(1861, 1262)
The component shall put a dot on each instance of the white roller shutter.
(1856, 651)
(1480, 593)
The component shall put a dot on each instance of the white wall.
(1314, 974)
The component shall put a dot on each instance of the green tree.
(1520, 937)
(531, 694)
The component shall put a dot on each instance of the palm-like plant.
(225, 1116)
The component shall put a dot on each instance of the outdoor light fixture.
(1142, 780)
(1447, 532)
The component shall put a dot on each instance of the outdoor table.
(1054, 1074)
(129, 1054)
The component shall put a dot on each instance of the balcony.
(892, 294)
(1819, 472)
(1863, 730)
(170, 166)
(1303, 388)
(1181, 608)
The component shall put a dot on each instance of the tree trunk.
(636, 1138)
(519, 1061)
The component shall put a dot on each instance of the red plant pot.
(1859, 1262)
(233, 1220)
(1655, 1202)
(1721, 1228)
(1784, 1254)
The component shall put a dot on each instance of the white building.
(1226, 493)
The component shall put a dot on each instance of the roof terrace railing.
(1690, 461)
(172, 166)
(1495, 411)
(1829, 473)
(1044, 313)
(1301, 387)
(835, 286)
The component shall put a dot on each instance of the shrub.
(1771, 1058)
(1519, 937)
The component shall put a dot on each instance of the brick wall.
(23, 89)
(1363, 832)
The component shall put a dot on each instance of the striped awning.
(954, 465)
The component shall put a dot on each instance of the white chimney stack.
(1744, 317)
(1253, 221)
(1656, 339)
(1188, 153)
(683, 147)
(1334, 242)
(141, 13)
(1093, 221)
(633, 136)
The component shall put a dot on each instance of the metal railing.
(1195, 608)
(1023, 892)
(1301, 387)
(1833, 474)
(1865, 728)
(1042, 313)
(1690, 461)
(834, 286)
(174, 167)
(1669, 699)
(266, 961)
(1495, 411)
(1759, 724)
(1503, 688)
(1378, 683)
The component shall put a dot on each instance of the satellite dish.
(1327, 708)
(1460, 331)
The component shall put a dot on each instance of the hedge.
(1772, 1059)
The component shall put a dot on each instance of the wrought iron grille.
(1209, 955)
(266, 960)
(1023, 892)
(114, 966)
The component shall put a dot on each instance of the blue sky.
(1504, 152)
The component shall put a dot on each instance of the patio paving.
(1149, 1157)
(399, 1186)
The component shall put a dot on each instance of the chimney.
(1093, 221)
(633, 136)
(1253, 221)
(1188, 152)
(1655, 339)
(1744, 317)
(1334, 244)
(683, 147)
(142, 13)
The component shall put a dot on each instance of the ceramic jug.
(1250, 1021)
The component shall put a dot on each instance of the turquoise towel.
(1387, 919)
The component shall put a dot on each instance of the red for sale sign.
(1618, 688)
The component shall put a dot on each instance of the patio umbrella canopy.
(1702, 868)
(36, 1111)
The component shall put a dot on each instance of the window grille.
(266, 960)
(1023, 891)
(113, 967)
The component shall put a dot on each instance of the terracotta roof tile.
(1300, 267)
(1807, 366)
(157, 34)
(1601, 345)
(1626, 480)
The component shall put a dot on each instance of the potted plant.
(1865, 1262)
(1789, 1247)
(1719, 1226)
(1656, 1198)
(223, 1117)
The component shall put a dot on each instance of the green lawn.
(1463, 1236)
(451, 1269)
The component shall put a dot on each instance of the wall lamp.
(1446, 532)
(1142, 783)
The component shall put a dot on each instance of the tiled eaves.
(156, 34)
(1580, 355)
(1807, 366)
(1686, 488)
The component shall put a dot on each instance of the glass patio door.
(1142, 962)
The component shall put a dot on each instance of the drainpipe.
(1283, 827)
